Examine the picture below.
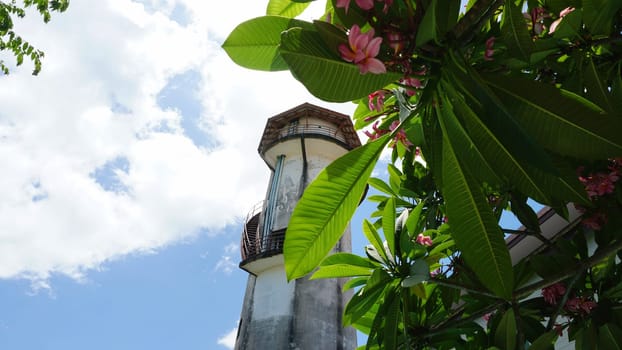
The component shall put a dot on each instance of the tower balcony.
(307, 122)
(255, 246)
(307, 129)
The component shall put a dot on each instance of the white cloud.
(232, 248)
(227, 262)
(228, 340)
(95, 102)
(226, 265)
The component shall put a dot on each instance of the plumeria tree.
(485, 106)
(12, 42)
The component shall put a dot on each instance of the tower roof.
(275, 124)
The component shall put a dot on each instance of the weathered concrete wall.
(267, 314)
(246, 314)
(318, 310)
(273, 296)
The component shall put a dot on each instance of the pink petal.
(554, 25)
(343, 4)
(373, 47)
(566, 11)
(346, 53)
(365, 4)
(490, 42)
(372, 65)
(353, 35)
(360, 43)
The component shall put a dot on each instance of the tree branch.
(465, 29)
(569, 272)
(455, 285)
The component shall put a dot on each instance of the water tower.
(302, 314)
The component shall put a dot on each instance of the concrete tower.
(302, 314)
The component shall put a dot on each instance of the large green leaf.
(616, 87)
(285, 8)
(597, 89)
(538, 176)
(428, 29)
(495, 114)
(381, 186)
(323, 73)
(515, 33)
(419, 272)
(598, 15)
(254, 44)
(447, 13)
(332, 35)
(586, 338)
(610, 337)
(499, 157)
(388, 224)
(544, 342)
(560, 120)
(353, 15)
(505, 336)
(368, 296)
(465, 147)
(323, 212)
(473, 225)
(344, 265)
(391, 317)
(384, 328)
(376, 241)
(524, 212)
(570, 27)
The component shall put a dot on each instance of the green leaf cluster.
(11, 41)
(486, 111)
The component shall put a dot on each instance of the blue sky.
(173, 299)
(127, 166)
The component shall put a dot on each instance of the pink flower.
(376, 100)
(387, 4)
(364, 4)
(563, 13)
(396, 41)
(362, 49)
(566, 11)
(553, 292)
(344, 4)
(487, 316)
(599, 184)
(595, 222)
(489, 51)
(580, 305)
(377, 132)
(413, 82)
(537, 16)
(424, 240)
(401, 135)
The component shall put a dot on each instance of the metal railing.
(310, 129)
(250, 234)
(253, 246)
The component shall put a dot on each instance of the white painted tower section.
(302, 314)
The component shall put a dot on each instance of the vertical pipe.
(271, 206)
(303, 176)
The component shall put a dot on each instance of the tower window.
(293, 127)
